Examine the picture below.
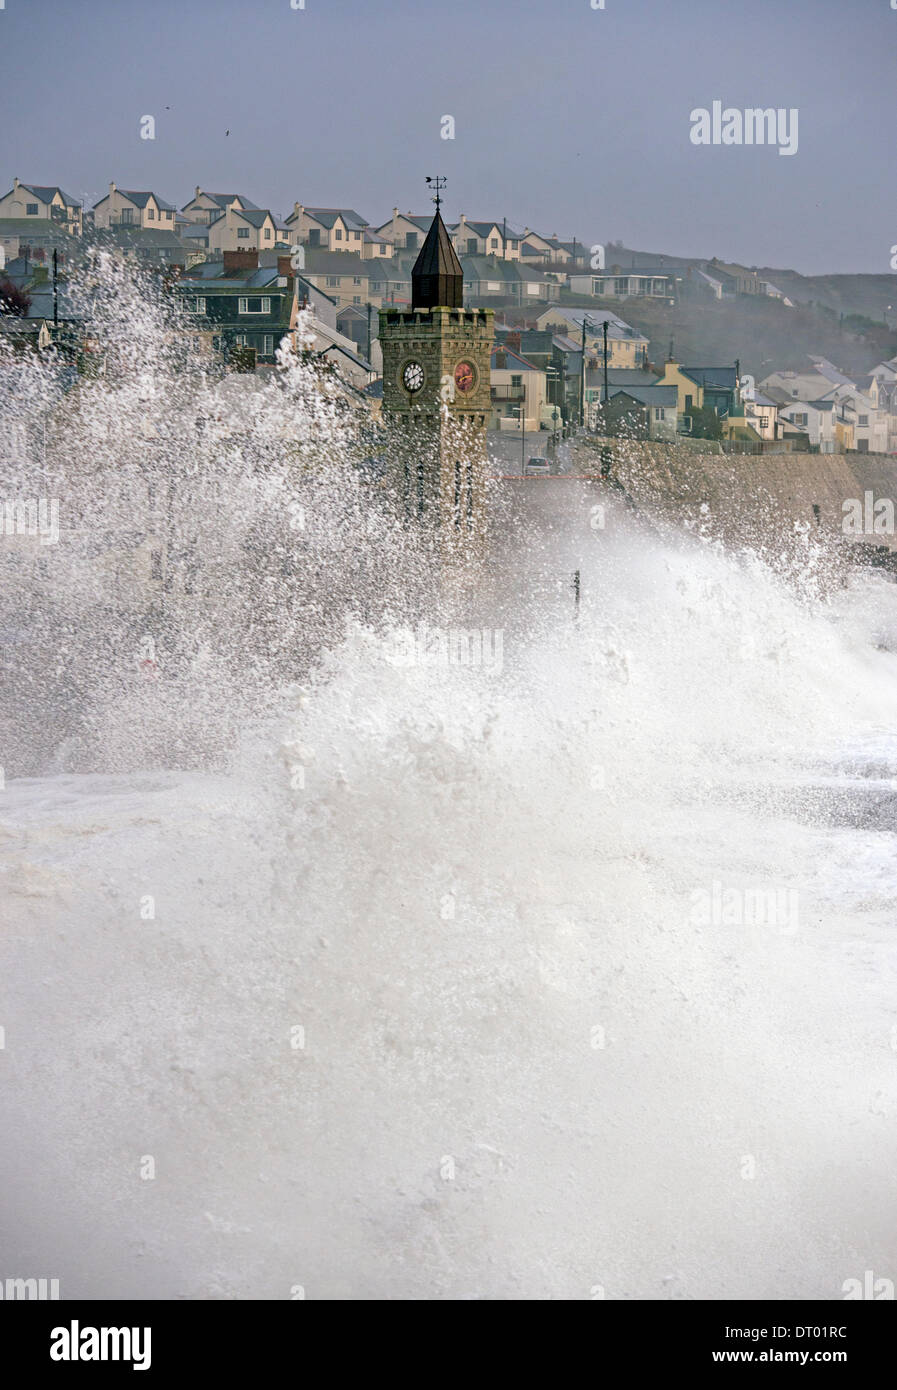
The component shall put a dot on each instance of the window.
(268, 345)
(660, 412)
(31, 209)
(168, 217)
(332, 281)
(267, 233)
(493, 245)
(127, 216)
(514, 245)
(411, 241)
(338, 233)
(151, 214)
(239, 339)
(243, 233)
(516, 380)
(799, 417)
(356, 299)
(356, 279)
(356, 236)
(863, 421)
(199, 305)
(254, 304)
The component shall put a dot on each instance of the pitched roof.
(318, 261)
(666, 396)
(437, 277)
(139, 199)
(256, 217)
(719, 377)
(224, 199)
(327, 217)
(518, 362)
(45, 193)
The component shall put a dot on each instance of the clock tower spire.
(436, 394)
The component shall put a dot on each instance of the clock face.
(465, 376)
(413, 376)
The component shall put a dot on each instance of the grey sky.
(569, 119)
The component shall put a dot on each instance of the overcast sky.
(567, 119)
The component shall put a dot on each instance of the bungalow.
(331, 229)
(488, 277)
(735, 279)
(125, 207)
(632, 284)
(44, 202)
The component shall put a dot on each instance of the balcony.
(508, 393)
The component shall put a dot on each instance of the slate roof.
(723, 378)
(665, 396)
(319, 261)
(327, 217)
(256, 217)
(45, 193)
(223, 199)
(518, 363)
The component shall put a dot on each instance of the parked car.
(537, 467)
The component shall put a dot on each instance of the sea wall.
(747, 493)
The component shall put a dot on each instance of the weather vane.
(438, 185)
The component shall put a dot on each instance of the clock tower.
(437, 396)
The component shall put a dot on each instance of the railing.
(508, 393)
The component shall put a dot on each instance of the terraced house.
(243, 304)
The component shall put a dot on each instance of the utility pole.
(369, 330)
(523, 434)
(55, 288)
(582, 376)
(606, 393)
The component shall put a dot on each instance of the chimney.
(240, 260)
(297, 208)
(284, 266)
(112, 188)
(512, 340)
(15, 182)
(198, 191)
